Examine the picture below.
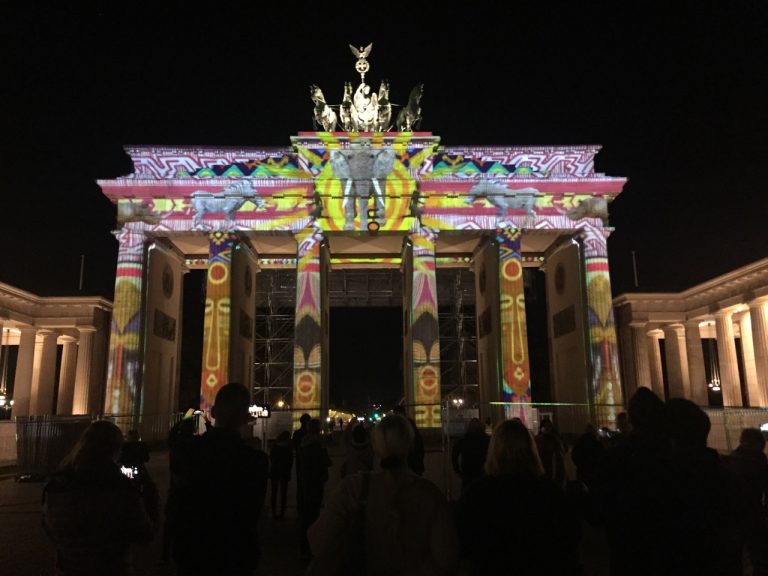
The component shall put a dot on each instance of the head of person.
(645, 411)
(284, 437)
(545, 426)
(398, 409)
(230, 408)
(686, 424)
(474, 426)
(622, 422)
(314, 427)
(304, 420)
(513, 451)
(98, 445)
(392, 441)
(359, 436)
(752, 440)
(132, 436)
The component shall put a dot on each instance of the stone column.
(696, 373)
(218, 317)
(44, 373)
(605, 381)
(759, 321)
(515, 369)
(125, 369)
(640, 353)
(726, 352)
(86, 396)
(425, 340)
(308, 335)
(754, 393)
(677, 361)
(22, 387)
(654, 359)
(67, 376)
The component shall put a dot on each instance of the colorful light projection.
(308, 335)
(217, 317)
(124, 372)
(424, 330)
(516, 373)
(605, 379)
(396, 195)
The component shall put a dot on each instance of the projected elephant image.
(358, 168)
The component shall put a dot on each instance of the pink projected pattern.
(427, 189)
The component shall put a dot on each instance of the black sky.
(676, 97)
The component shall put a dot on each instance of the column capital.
(638, 324)
(694, 323)
(130, 229)
(723, 315)
(308, 238)
(673, 328)
(86, 329)
(757, 302)
(426, 232)
(67, 339)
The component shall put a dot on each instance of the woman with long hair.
(386, 522)
(516, 507)
(93, 512)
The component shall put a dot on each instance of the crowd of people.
(668, 503)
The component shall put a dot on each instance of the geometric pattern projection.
(426, 341)
(217, 318)
(308, 335)
(122, 392)
(516, 374)
(605, 381)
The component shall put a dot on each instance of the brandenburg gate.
(365, 187)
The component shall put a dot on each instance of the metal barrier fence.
(153, 428)
(42, 442)
(727, 424)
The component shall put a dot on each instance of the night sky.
(676, 98)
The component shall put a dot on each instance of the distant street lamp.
(458, 402)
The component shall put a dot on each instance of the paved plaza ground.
(26, 551)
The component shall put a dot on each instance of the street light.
(458, 402)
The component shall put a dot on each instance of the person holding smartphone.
(92, 512)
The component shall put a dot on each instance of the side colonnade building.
(53, 350)
(708, 343)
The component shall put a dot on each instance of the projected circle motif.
(512, 269)
(218, 273)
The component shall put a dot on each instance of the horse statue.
(345, 111)
(383, 122)
(324, 115)
(409, 117)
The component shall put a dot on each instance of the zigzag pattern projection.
(285, 166)
(452, 165)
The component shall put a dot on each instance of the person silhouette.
(92, 512)
(218, 488)
(385, 522)
(281, 463)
